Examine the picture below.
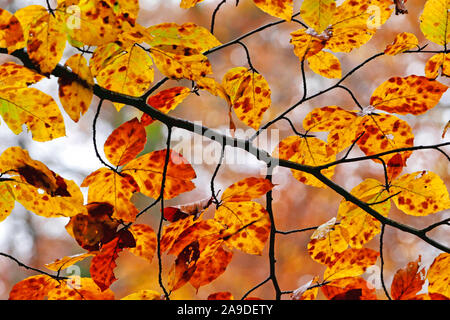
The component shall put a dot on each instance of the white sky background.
(73, 156)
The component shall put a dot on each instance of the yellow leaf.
(64, 263)
(248, 225)
(308, 151)
(325, 64)
(351, 263)
(341, 125)
(106, 185)
(13, 75)
(439, 281)
(147, 171)
(144, 295)
(421, 193)
(27, 16)
(176, 66)
(249, 94)
(440, 61)
(186, 4)
(317, 14)
(11, 33)
(361, 226)
(412, 94)
(78, 288)
(145, 241)
(34, 108)
(7, 201)
(276, 8)
(103, 56)
(403, 41)
(76, 96)
(435, 20)
(355, 22)
(327, 248)
(306, 44)
(189, 36)
(384, 132)
(131, 73)
(91, 22)
(46, 41)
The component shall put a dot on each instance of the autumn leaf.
(143, 295)
(317, 14)
(125, 142)
(248, 225)
(184, 266)
(103, 263)
(94, 22)
(13, 75)
(79, 288)
(165, 101)
(76, 94)
(351, 263)
(146, 241)
(183, 211)
(223, 295)
(189, 36)
(249, 95)
(306, 43)
(420, 193)
(412, 94)
(179, 66)
(438, 62)
(341, 124)
(437, 275)
(65, 262)
(29, 106)
(279, 9)
(402, 42)
(384, 132)
(106, 185)
(434, 21)
(186, 4)
(247, 189)
(94, 228)
(213, 261)
(351, 288)
(46, 40)
(360, 226)
(7, 201)
(308, 151)
(147, 171)
(327, 247)
(130, 73)
(32, 288)
(307, 291)
(11, 33)
(325, 64)
(408, 282)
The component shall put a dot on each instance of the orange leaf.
(279, 9)
(165, 101)
(352, 288)
(247, 189)
(328, 247)
(103, 264)
(147, 171)
(403, 41)
(125, 142)
(437, 275)
(33, 288)
(225, 295)
(77, 288)
(63, 263)
(407, 282)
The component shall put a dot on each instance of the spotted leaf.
(279, 9)
(437, 275)
(403, 41)
(408, 282)
(145, 241)
(351, 263)
(325, 64)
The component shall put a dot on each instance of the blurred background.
(36, 241)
